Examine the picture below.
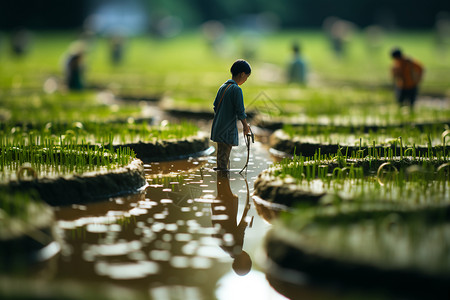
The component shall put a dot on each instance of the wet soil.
(171, 150)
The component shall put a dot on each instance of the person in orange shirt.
(407, 75)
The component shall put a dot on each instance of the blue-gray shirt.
(224, 128)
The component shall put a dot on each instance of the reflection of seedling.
(178, 186)
(443, 171)
(19, 208)
(415, 172)
(386, 172)
(26, 170)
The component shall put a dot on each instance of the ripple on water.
(128, 270)
(174, 292)
(190, 248)
(115, 249)
(160, 255)
(97, 228)
(183, 237)
(171, 227)
(180, 262)
(198, 262)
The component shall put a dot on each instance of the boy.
(228, 108)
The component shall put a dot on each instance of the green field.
(186, 69)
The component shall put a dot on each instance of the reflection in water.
(231, 233)
(180, 239)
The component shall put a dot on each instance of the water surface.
(193, 234)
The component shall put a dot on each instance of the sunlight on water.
(128, 270)
(252, 286)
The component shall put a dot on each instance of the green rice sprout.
(444, 144)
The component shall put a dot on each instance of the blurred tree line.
(57, 14)
(311, 13)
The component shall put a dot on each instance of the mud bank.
(286, 146)
(87, 187)
(352, 253)
(170, 149)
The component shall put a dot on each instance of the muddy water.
(193, 234)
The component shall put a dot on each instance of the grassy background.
(186, 72)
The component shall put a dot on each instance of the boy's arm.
(240, 111)
(215, 104)
(245, 126)
(420, 70)
(395, 72)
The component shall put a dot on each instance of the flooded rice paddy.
(193, 234)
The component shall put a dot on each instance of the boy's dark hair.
(240, 66)
(396, 53)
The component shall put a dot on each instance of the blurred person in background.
(297, 67)
(74, 68)
(442, 33)
(339, 33)
(20, 42)
(407, 75)
(374, 36)
(116, 49)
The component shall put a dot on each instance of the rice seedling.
(404, 181)
(359, 142)
(61, 149)
(404, 136)
(52, 157)
(387, 211)
(98, 133)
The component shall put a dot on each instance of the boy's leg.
(412, 96)
(223, 155)
(400, 95)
